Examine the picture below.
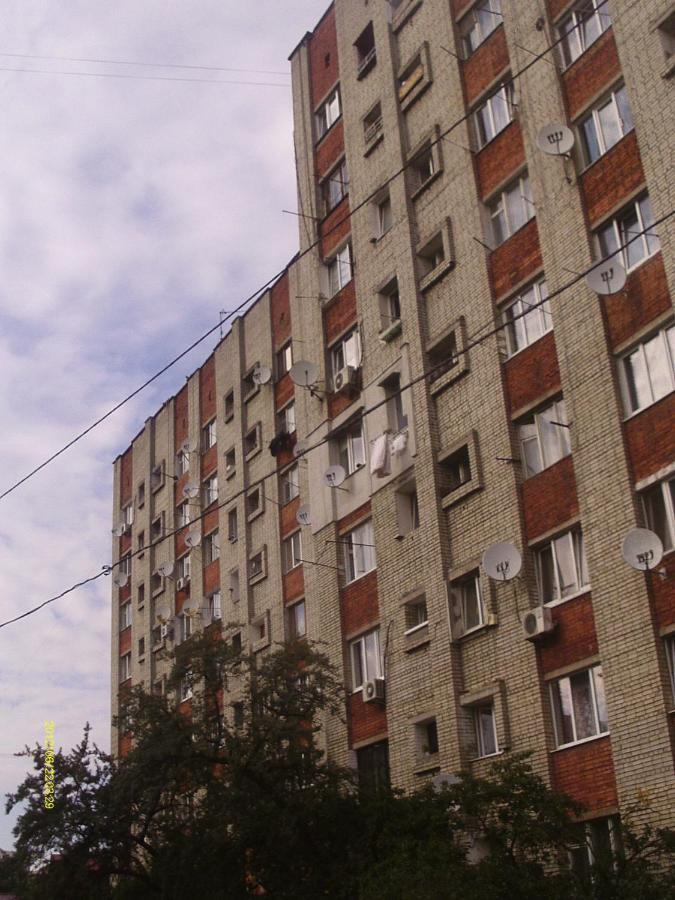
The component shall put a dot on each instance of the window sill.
(252, 453)
(491, 621)
(431, 278)
(228, 417)
(250, 394)
(373, 142)
(415, 92)
(565, 68)
(366, 66)
(527, 346)
(588, 740)
(590, 165)
(416, 638)
(254, 579)
(648, 406)
(586, 589)
(484, 41)
(359, 577)
(378, 238)
(390, 332)
(327, 131)
(401, 17)
(424, 763)
(545, 469)
(669, 68)
(440, 384)
(421, 188)
(477, 759)
(328, 301)
(254, 515)
(230, 473)
(459, 493)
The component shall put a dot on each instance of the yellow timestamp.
(48, 789)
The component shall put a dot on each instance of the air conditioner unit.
(344, 378)
(373, 691)
(537, 622)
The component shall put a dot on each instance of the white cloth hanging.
(399, 443)
(380, 457)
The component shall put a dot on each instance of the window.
(230, 462)
(431, 255)
(286, 418)
(365, 51)
(426, 738)
(252, 441)
(659, 506)
(467, 609)
(669, 644)
(666, 33)
(295, 620)
(335, 187)
(284, 359)
(511, 209)
(234, 586)
(125, 667)
(346, 352)
(390, 309)
(599, 844)
(125, 615)
(581, 28)
(528, 317)
(456, 469)
(606, 124)
(238, 715)
(141, 647)
(613, 238)
(157, 528)
(416, 614)
(414, 78)
(648, 371)
(407, 509)
(373, 768)
(183, 567)
(339, 270)
(544, 438)
(229, 405)
(443, 356)
(359, 551)
(140, 596)
(182, 462)
(256, 565)
(289, 487)
(424, 164)
(561, 567)
(372, 126)
(208, 435)
(249, 387)
(128, 515)
(157, 477)
(494, 114)
(215, 610)
(396, 418)
(485, 729)
(211, 547)
(260, 631)
(232, 531)
(291, 551)
(579, 708)
(382, 216)
(156, 583)
(140, 544)
(125, 565)
(328, 113)
(254, 502)
(184, 627)
(185, 690)
(140, 494)
(183, 515)
(350, 448)
(479, 24)
(210, 490)
(366, 663)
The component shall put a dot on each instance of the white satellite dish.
(304, 373)
(608, 278)
(188, 446)
(193, 538)
(502, 562)
(119, 530)
(166, 569)
(300, 448)
(261, 374)
(190, 490)
(334, 476)
(444, 779)
(642, 549)
(555, 139)
(120, 579)
(303, 516)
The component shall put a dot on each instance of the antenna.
(334, 476)
(193, 538)
(304, 373)
(502, 562)
(642, 549)
(261, 374)
(555, 139)
(188, 446)
(303, 516)
(607, 279)
(120, 579)
(190, 490)
(166, 569)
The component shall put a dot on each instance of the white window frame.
(215, 606)
(128, 515)
(284, 359)
(527, 317)
(210, 490)
(232, 518)
(125, 667)
(335, 187)
(211, 547)
(328, 113)
(594, 116)
(666, 489)
(125, 615)
(416, 603)
(183, 566)
(290, 484)
(534, 433)
(359, 659)
(346, 351)
(572, 543)
(184, 627)
(182, 462)
(664, 343)
(460, 590)
(124, 567)
(648, 243)
(209, 435)
(291, 551)
(475, 29)
(383, 216)
(482, 749)
(292, 620)
(594, 673)
(500, 206)
(286, 418)
(488, 112)
(183, 514)
(339, 270)
(350, 448)
(359, 547)
(574, 39)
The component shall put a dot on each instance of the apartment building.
(462, 386)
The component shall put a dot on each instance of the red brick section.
(210, 521)
(532, 373)
(125, 592)
(594, 70)
(359, 601)
(340, 314)
(209, 461)
(280, 311)
(285, 458)
(336, 227)
(498, 159)
(555, 7)
(126, 477)
(586, 773)
(663, 590)
(516, 259)
(650, 438)
(365, 720)
(212, 577)
(459, 6)
(549, 498)
(329, 150)
(645, 296)
(611, 178)
(338, 403)
(574, 638)
(483, 66)
(182, 598)
(324, 68)
(284, 390)
(207, 390)
(125, 544)
(287, 520)
(294, 584)
(180, 416)
(180, 547)
(125, 641)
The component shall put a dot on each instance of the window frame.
(210, 489)
(126, 615)
(291, 551)
(499, 205)
(666, 489)
(209, 435)
(417, 602)
(331, 197)
(577, 553)
(669, 650)
(516, 318)
(286, 418)
(537, 437)
(468, 45)
(211, 544)
(341, 264)
(286, 482)
(324, 115)
(125, 667)
(292, 620)
(359, 656)
(477, 710)
(616, 225)
(577, 31)
(504, 95)
(359, 540)
(183, 516)
(593, 115)
(347, 447)
(458, 588)
(215, 606)
(596, 709)
(666, 336)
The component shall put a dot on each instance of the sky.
(132, 210)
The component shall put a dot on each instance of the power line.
(470, 345)
(144, 77)
(297, 257)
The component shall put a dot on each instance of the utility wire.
(470, 344)
(299, 255)
(144, 77)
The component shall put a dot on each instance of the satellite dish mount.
(502, 561)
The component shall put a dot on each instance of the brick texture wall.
(207, 390)
(645, 296)
(280, 311)
(549, 498)
(498, 159)
(335, 228)
(483, 66)
(650, 438)
(516, 259)
(613, 177)
(532, 373)
(323, 57)
(574, 637)
(594, 70)
(586, 773)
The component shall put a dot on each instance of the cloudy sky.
(131, 211)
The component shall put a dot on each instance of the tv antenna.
(607, 279)
(261, 375)
(193, 538)
(166, 569)
(188, 446)
(502, 561)
(334, 476)
(305, 374)
(303, 516)
(642, 549)
(555, 139)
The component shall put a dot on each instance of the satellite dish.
(165, 569)
(261, 375)
(119, 530)
(555, 139)
(444, 779)
(642, 549)
(608, 278)
(502, 562)
(304, 373)
(190, 490)
(334, 476)
(188, 446)
(303, 516)
(300, 448)
(120, 579)
(193, 538)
